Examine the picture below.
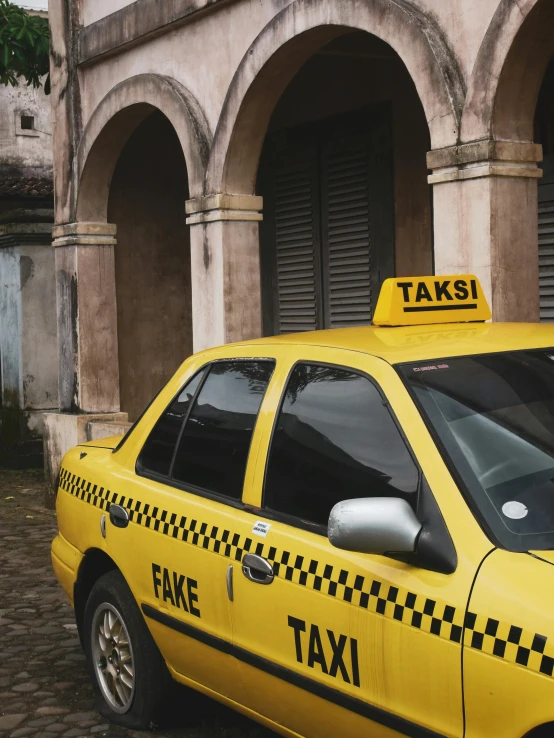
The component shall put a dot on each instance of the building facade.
(226, 169)
(28, 332)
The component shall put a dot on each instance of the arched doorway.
(152, 260)
(142, 154)
(339, 46)
(344, 180)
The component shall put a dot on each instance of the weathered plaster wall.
(152, 262)
(24, 149)
(10, 328)
(176, 55)
(39, 340)
(463, 24)
(28, 345)
(28, 338)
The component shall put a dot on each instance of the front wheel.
(130, 678)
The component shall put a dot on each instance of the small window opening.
(27, 123)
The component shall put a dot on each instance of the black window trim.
(292, 520)
(137, 421)
(448, 461)
(168, 481)
(207, 371)
(139, 469)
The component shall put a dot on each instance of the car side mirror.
(374, 525)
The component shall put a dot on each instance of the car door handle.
(119, 516)
(256, 569)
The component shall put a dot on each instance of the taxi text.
(335, 646)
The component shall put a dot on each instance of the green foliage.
(24, 47)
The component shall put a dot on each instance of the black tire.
(153, 685)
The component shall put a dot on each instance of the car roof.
(414, 343)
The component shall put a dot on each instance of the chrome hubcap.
(112, 653)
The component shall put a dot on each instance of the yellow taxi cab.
(340, 533)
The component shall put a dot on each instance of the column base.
(63, 431)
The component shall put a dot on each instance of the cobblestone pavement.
(44, 688)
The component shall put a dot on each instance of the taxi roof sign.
(426, 300)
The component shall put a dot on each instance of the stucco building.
(226, 169)
(28, 334)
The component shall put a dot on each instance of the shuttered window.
(327, 235)
(546, 249)
(295, 216)
(347, 237)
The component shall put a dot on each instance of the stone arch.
(508, 72)
(117, 116)
(289, 40)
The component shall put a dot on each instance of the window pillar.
(225, 268)
(485, 221)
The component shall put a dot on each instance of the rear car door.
(182, 500)
(333, 642)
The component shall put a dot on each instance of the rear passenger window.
(213, 449)
(157, 453)
(334, 440)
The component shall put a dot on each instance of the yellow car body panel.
(66, 560)
(419, 342)
(378, 665)
(109, 442)
(507, 644)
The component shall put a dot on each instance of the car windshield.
(493, 418)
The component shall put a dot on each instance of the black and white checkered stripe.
(438, 618)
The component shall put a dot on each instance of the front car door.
(340, 642)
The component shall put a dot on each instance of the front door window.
(334, 439)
